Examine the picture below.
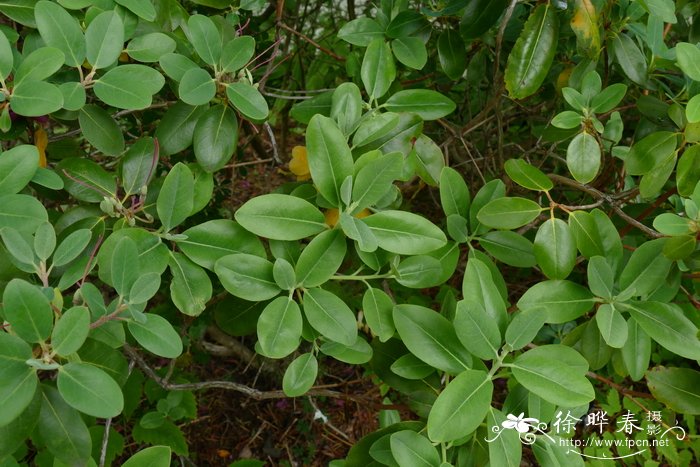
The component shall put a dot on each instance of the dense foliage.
(557, 278)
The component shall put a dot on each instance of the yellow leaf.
(332, 215)
(563, 78)
(41, 140)
(299, 165)
(364, 213)
(585, 26)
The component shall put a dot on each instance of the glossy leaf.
(27, 310)
(90, 390)
(35, 98)
(321, 258)
(19, 381)
(190, 288)
(280, 217)
(555, 249)
(101, 130)
(215, 136)
(67, 437)
(461, 406)
(300, 375)
(279, 327)
(405, 233)
(174, 203)
(61, 30)
(378, 68)
(116, 87)
(429, 105)
(508, 213)
(211, 240)
(71, 330)
(236, 53)
(676, 387)
(104, 38)
(560, 301)
(583, 157)
(330, 316)
(408, 447)
(431, 337)
(205, 38)
(378, 308)
(197, 87)
(533, 53)
(17, 167)
(330, 161)
(247, 276)
(157, 335)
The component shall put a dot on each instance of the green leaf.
(150, 47)
(378, 308)
(329, 157)
(680, 247)
(361, 31)
(39, 65)
(74, 96)
(358, 353)
(101, 130)
(346, 107)
(506, 449)
(451, 54)
(27, 310)
(116, 87)
(419, 272)
(649, 152)
(18, 247)
(527, 176)
(71, 246)
(19, 380)
(509, 247)
(667, 324)
(155, 456)
(144, 288)
(478, 284)
(454, 193)
(405, 233)
(105, 39)
(215, 137)
(211, 240)
(300, 375)
(431, 337)
(427, 160)
(70, 331)
(476, 329)
(378, 70)
(374, 127)
(60, 30)
(555, 249)
(157, 336)
(330, 316)
(646, 269)
(461, 406)
(35, 98)
(410, 51)
(248, 101)
(595, 234)
(90, 390)
(672, 224)
(568, 119)
(175, 65)
(524, 327)
(688, 56)
(630, 58)
(637, 350)
(479, 16)
(247, 276)
(174, 203)
(606, 100)
(411, 367)
(124, 265)
(205, 38)
(237, 53)
(44, 241)
(22, 212)
(357, 230)
(601, 277)
(531, 58)
(429, 105)
(14, 434)
(583, 157)
(283, 273)
(153, 255)
(190, 288)
(63, 429)
(279, 327)
(375, 178)
(555, 373)
(612, 325)
(560, 301)
(280, 217)
(410, 448)
(141, 8)
(138, 165)
(197, 87)
(508, 213)
(676, 387)
(17, 167)
(321, 258)
(692, 109)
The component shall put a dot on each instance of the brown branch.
(608, 200)
(312, 42)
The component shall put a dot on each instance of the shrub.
(559, 279)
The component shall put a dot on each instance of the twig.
(230, 385)
(312, 42)
(609, 200)
(273, 141)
